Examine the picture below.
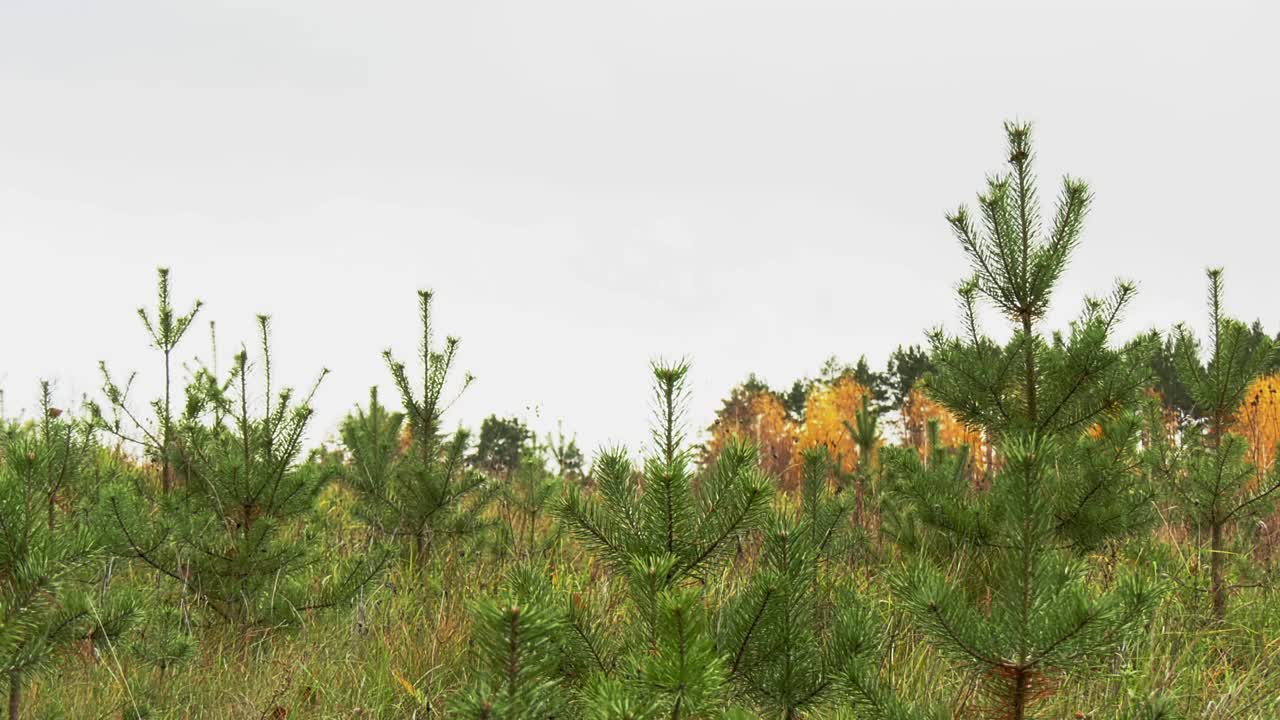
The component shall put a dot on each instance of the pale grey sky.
(588, 184)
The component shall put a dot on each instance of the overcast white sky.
(588, 185)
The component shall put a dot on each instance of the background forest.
(1059, 523)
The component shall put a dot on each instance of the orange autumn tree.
(754, 412)
(1258, 421)
(919, 409)
(827, 409)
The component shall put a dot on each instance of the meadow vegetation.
(1060, 524)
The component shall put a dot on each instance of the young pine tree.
(373, 439)
(772, 632)
(235, 537)
(1061, 412)
(165, 327)
(865, 432)
(516, 670)
(794, 640)
(681, 675)
(51, 564)
(527, 498)
(540, 656)
(427, 492)
(947, 485)
(663, 538)
(1221, 488)
(656, 530)
(568, 456)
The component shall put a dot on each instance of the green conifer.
(656, 530)
(155, 436)
(235, 537)
(526, 498)
(1221, 488)
(663, 537)
(52, 592)
(427, 492)
(1061, 412)
(797, 639)
(516, 663)
(865, 431)
(568, 456)
(372, 439)
(773, 632)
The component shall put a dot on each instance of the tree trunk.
(15, 695)
(1021, 692)
(1217, 585)
(165, 481)
(1030, 359)
(860, 493)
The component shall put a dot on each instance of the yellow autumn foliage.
(826, 411)
(763, 419)
(919, 409)
(1258, 420)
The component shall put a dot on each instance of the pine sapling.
(373, 439)
(165, 327)
(1061, 412)
(431, 492)
(527, 497)
(865, 432)
(52, 594)
(1221, 486)
(515, 672)
(796, 640)
(235, 538)
(656, 530)
(773, 632)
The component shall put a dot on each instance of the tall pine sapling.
(1061, 412)
(663, 538)
(771, 633)
(526, 498)
(235, 538)
(568, 456)
(540, 655)
(165, 327)
(865, 432)
(1221, 487)
(69, 452)
(907, 520)
(656, 530)
(428, 492)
